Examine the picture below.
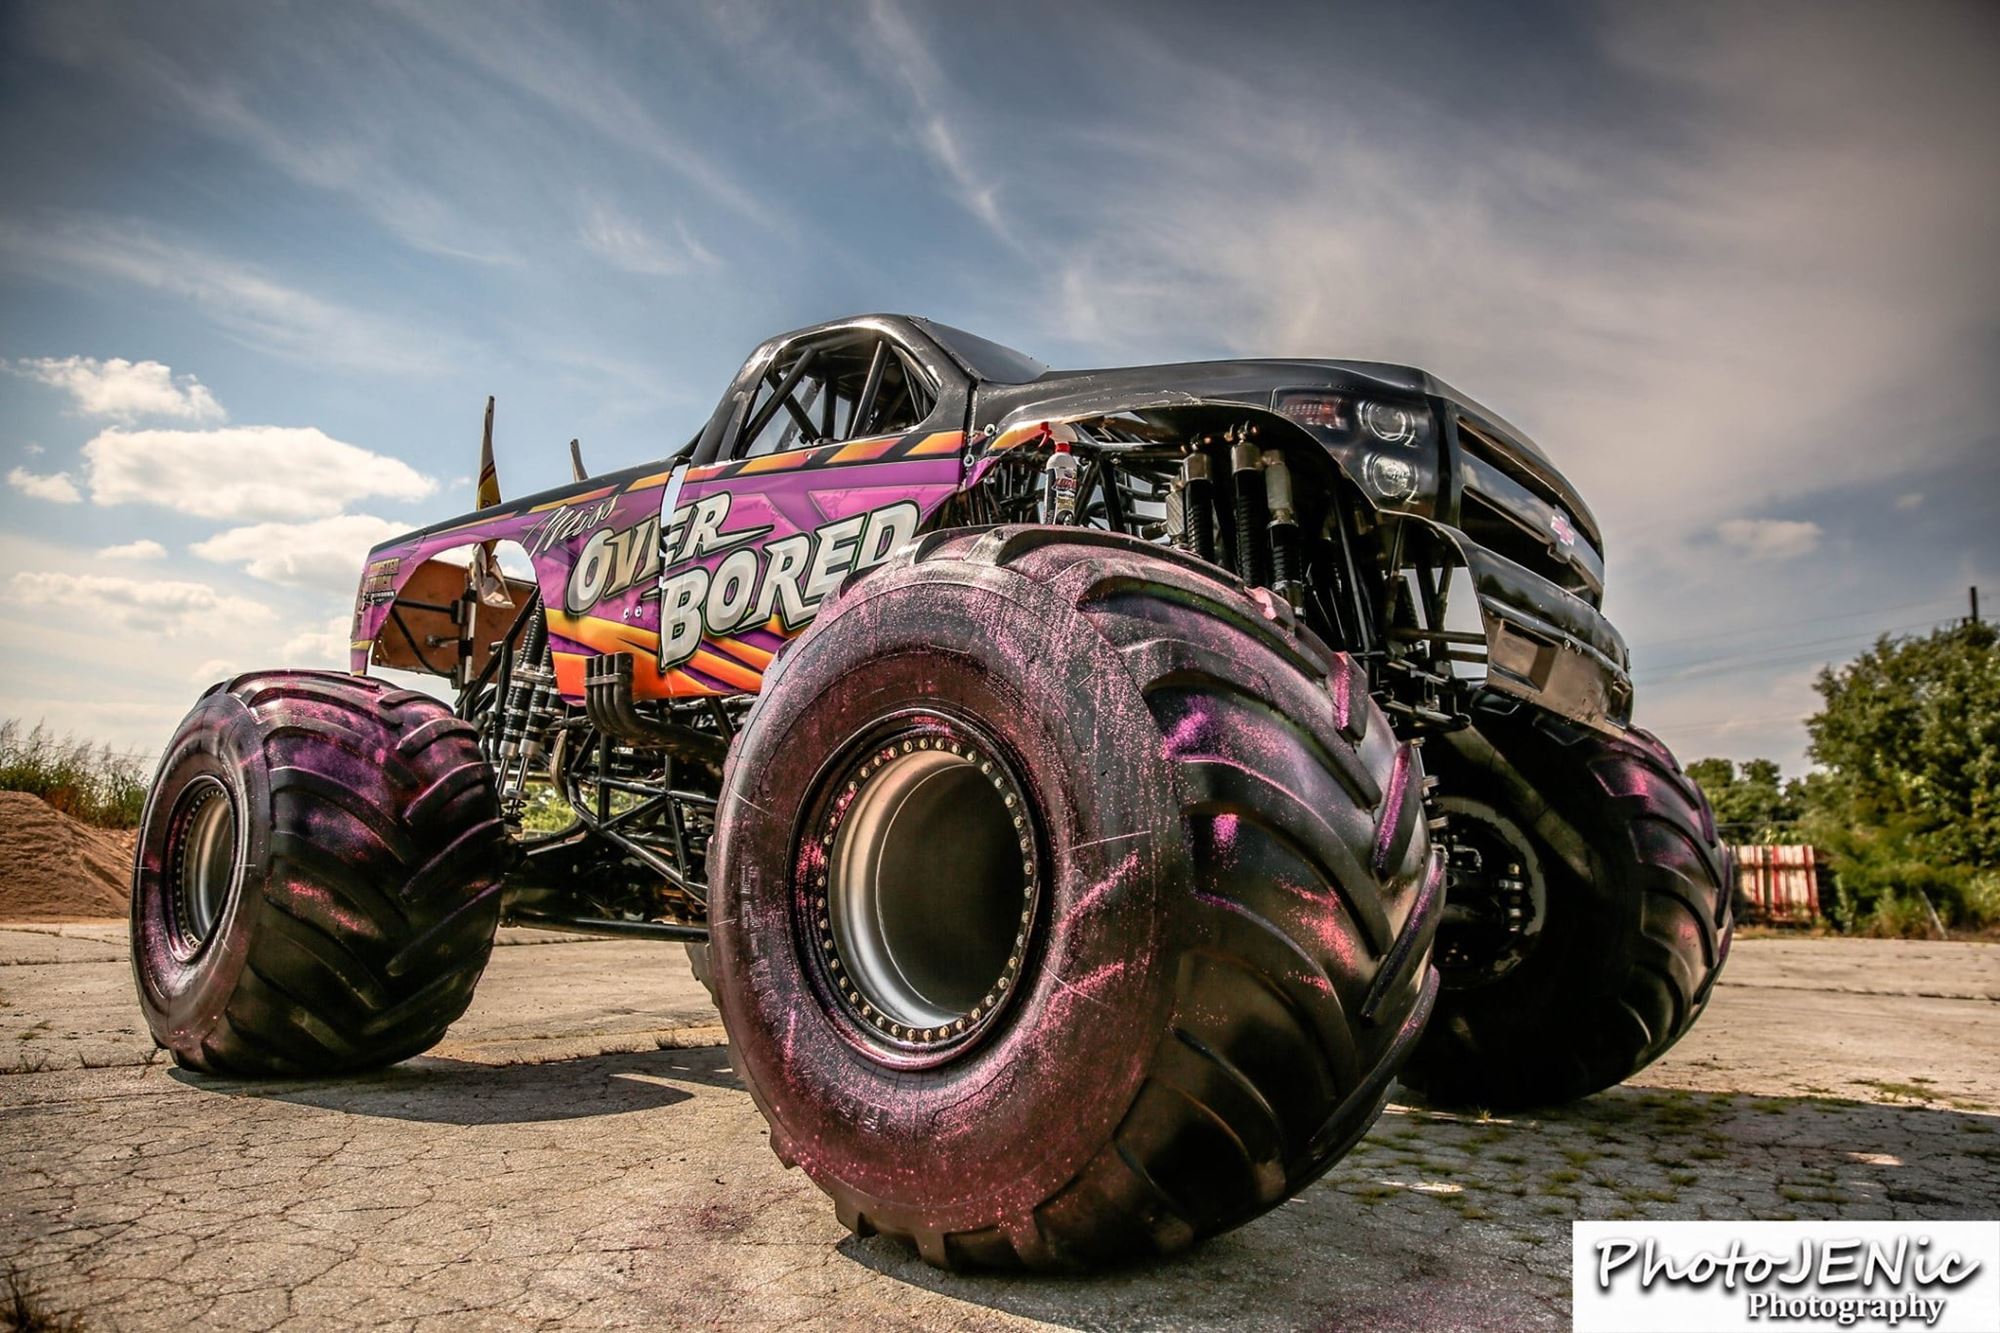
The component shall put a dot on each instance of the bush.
(1982, 899)
(1885, 874)
(98, 785)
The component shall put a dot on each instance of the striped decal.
(726, 669)
(863, 451)
(879, 449)
(652, 479)
(943, 442)
(583, 498)
(784, 462)
(748, 653)
(719, 666)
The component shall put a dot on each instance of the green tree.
(1908, 797)
(1752, 803)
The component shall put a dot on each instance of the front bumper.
(1545, 645)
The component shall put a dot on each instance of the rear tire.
(317, 883)
(1637, 906)
(1177, 1002)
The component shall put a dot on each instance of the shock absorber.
(517, 707)
(1286, 576)
(1197, 504)
(1246, 466)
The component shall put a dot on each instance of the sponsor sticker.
(1636, 1277)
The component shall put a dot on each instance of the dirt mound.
(54, 868)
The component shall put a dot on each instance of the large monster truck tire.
(1635, 909)
(317, 883)
(1071, 905)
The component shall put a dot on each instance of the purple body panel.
(755, 547)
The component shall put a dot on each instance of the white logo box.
(1770, 1277)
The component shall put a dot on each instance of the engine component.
(607, 694)
(1198, 504)
(1246, 466)
(1287, 575)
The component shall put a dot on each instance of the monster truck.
(1084, 793)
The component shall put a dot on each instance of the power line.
(1696, 667)
(1723, 724)
(1788, 624)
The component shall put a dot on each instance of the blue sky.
(1734, 268)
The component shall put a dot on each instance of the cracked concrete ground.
(578, 1153)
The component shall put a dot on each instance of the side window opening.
(832, 390)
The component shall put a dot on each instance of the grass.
(96, 784)
(1909, 1092)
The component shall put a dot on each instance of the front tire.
(1623, 914)
(1071, 905)
(317, 881)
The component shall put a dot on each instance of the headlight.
(1391, 423)
(1388, 445)
(1394, 480)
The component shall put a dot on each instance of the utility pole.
(1975, 604)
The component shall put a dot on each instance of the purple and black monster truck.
(1069, 784)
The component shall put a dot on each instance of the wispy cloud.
(1692, 320)
(898, 50)
(628, 245)
(241, 299)
(310, 114)
(534, 55)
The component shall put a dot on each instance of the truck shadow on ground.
(1441, 1220)
(1437, 1220)
(435, 1090)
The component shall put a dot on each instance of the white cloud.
(1913, 500)
(145, 606)
(214, 669)
(322, 553)
(56, 488)
(34, 450)
(125, 390)
(325, 646)
(244, 472)
(143, 549)
(1770, 538)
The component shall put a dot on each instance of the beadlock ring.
(919, 883)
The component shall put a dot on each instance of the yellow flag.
(485, 566)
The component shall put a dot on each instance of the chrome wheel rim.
(923, 878)
(201, 863)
